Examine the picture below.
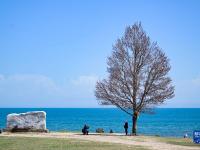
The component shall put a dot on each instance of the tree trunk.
(134, 122)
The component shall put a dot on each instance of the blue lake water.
(173, 122)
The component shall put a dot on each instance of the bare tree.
(138, 75)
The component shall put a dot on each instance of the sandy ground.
(144, 141)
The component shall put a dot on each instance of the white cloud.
(25, 86)
(31, 90)
(83, 87)
(196, 81)
(1, 77)
(186, 93)
(86, 81)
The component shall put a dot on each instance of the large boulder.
(34, 121)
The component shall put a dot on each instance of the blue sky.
(52, 52)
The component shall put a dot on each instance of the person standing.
(126, 127)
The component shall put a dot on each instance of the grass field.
(31, 143)
(178, 141)
(74, 141)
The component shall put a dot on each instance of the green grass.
(31, 143)
(178, 141)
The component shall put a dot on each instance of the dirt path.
(144, 141)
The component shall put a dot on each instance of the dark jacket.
(126, 125)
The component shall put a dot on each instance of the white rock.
(30, 121)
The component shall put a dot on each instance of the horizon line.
(91, 108)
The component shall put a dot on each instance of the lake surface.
(173, 122)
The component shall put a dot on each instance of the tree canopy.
(138, 74)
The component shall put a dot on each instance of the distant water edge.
(170, 122)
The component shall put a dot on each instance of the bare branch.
(138, 74)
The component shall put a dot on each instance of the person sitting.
(85, 130)
(185, 135)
